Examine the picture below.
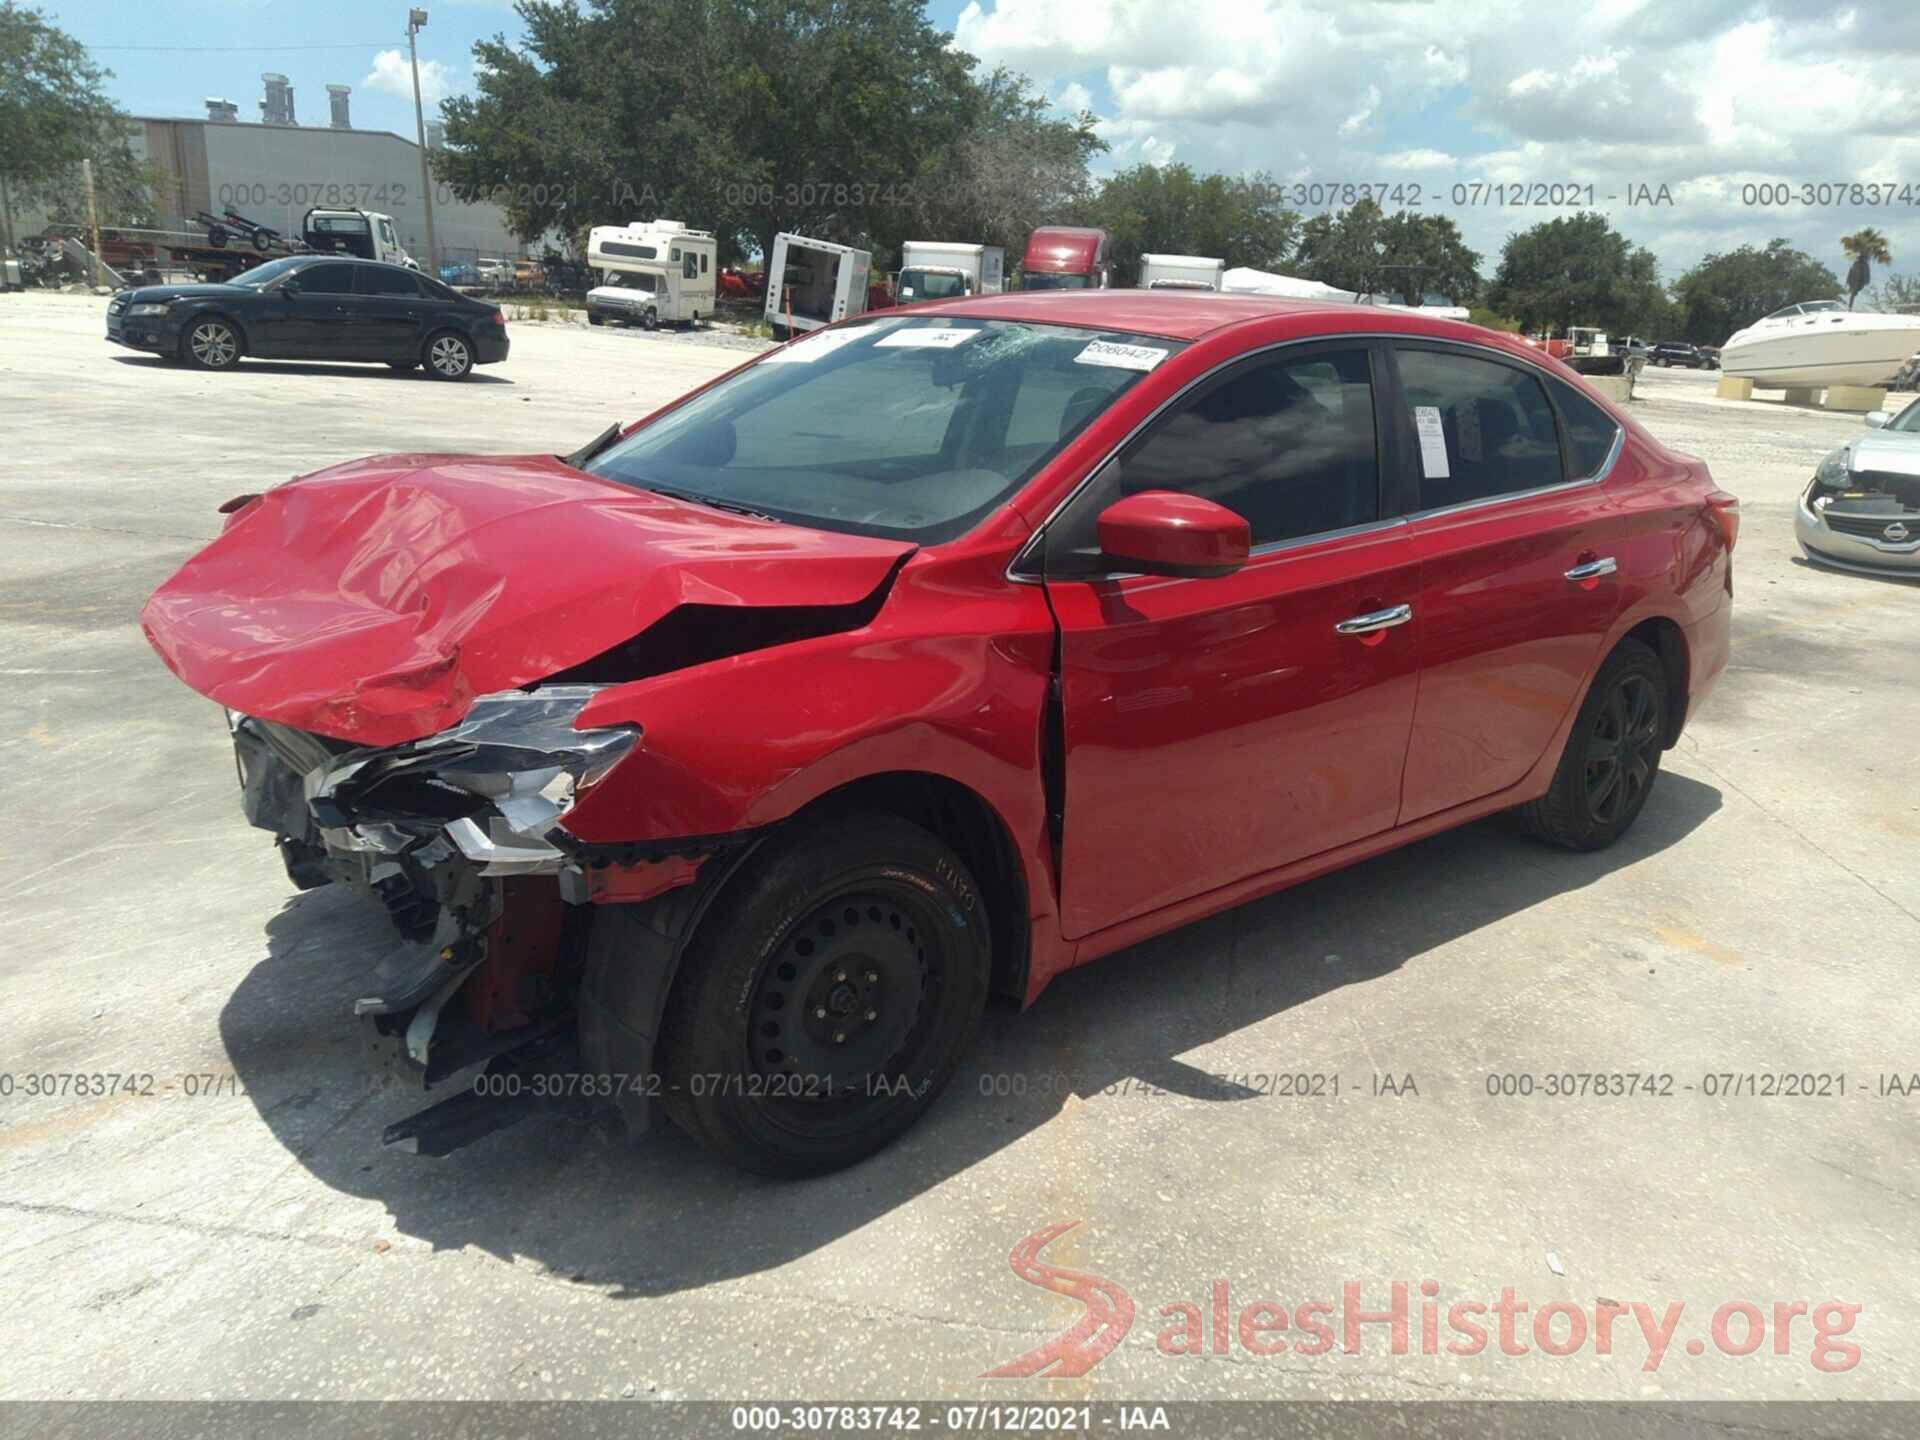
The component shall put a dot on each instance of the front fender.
(938, 684)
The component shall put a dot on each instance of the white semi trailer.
(1181, 272)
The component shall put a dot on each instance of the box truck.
(1181, 272)
(811, 283)
(947, 270)
(653, 272)
(1066, 257)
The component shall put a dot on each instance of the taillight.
(500, 318)
(1725, 509)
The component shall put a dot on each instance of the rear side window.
(1482, 429)
(377, 281)
(1287, 444)
(1591, 431)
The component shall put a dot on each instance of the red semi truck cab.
(1066, 257)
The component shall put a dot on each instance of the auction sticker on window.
(809, 348)
(919, 337)
(1116, 356)
(1433, 442)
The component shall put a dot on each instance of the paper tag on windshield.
(919, 337)
(809, 348)
(1433, 442)
(1116, 356)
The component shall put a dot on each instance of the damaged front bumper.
(455, 835)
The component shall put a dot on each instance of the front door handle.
(1593, 569)
(1375, 620)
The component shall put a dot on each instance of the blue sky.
(1748, 112)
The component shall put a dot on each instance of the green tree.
(1727, 292)
(1171, 210)
(1863, 247)
(54, 114)
(1578, 270)
(746, 117)
(1014, 165)
(1404, 255)
(1897, 292)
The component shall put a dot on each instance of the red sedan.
(734, 761)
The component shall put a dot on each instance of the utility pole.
(416, 22)
(93, 218)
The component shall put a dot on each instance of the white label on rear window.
(919, 337)
(809, 348)
(1433, 442)
(1116, 356)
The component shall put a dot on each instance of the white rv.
(811, 283)
(1181, 272)
(939, 270)
(652, 272)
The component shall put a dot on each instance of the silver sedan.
(1862, 511)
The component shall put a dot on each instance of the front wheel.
(650, 320)
(1612, 756)
(210, 344)
(828, 997)
(449, 356)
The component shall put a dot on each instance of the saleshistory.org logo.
(1558, 1328)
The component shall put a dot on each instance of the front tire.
(650, 320)
(1612, 755)
(210, 343)
(448, 356)
(827, 998)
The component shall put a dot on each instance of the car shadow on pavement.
(1885, 577)
(368, 370)
(570, 1193)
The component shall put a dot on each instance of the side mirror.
(1877, 419)
(290, 285)
(1159, 532)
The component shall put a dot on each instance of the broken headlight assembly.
(1830, 477)
(496, 783)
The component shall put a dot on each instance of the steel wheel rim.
(1623, 749)
(881, 1060)
(213, 344)
(449, 355)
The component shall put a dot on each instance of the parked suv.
(731, 762)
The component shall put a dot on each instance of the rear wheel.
(1612, 756)
(448, 356)
(828, 998)
(211, 344)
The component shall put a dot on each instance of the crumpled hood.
(1897, 453)
(373, 601)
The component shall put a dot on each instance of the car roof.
(1184, 314)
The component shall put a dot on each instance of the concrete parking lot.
(240, 1232)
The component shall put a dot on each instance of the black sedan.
(314, 307)
(1679, 352)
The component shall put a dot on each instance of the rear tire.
(827, 998)
(1612, 756)
(448, 355)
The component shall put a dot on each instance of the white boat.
(1821, 343)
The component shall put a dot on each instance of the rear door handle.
(1375, 620)
(1593, 569)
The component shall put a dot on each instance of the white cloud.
(1418, 160)
(1704, 97)
(392, 75)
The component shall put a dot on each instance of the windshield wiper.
(579, 458)
(709, 502)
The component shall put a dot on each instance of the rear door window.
(1482, 429)
(378, 280)
(1591, 431)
